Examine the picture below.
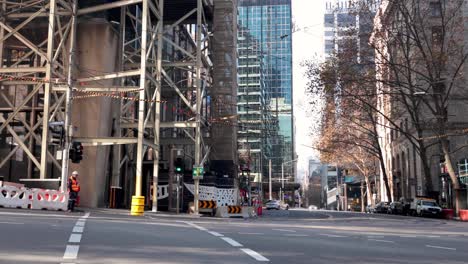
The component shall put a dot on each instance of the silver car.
(278, 205)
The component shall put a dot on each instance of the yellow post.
(138, 205)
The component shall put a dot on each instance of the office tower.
(265, 74)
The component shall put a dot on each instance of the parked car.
(313, 207)
(278, 205)
(422, 206)
(406, 206)
(370, 209)
(395, 208)
(382, 207)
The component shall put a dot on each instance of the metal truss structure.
(164, 62)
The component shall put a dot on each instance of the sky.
(307, 44)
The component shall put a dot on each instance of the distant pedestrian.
(73, 189)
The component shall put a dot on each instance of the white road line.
(433, 236)
(80, 223)
(383, 241)
(71, 252)
(197, 226)
(216, 234)
(285, 230)
(441, 247)
(231, 242)
(11, 223)
(408, 236)
(75, 238)
(78, 229)
(330, 235)
(295, 235)
(240, 233)
(254, 254)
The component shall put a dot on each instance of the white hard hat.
(75, 173)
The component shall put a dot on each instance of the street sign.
(197, 172)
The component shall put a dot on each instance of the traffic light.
(179, 165)
(76, 152)
(57, 134)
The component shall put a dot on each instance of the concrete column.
(225, 79)
(97, 45)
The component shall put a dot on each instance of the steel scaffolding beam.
(164, 64)
(36, 67)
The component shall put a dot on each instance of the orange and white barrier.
(235, 211)
(49, 199)
(14, 197)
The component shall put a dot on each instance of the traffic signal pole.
(68, 103)
(198, 105)
(171, 176)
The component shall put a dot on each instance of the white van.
(425, 206)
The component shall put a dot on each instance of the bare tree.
(421, 59)
(349, 117)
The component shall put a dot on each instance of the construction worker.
(73, 189)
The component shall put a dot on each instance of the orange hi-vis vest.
(75, 187)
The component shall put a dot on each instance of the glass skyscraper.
(265, 99)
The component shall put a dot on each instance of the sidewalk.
(148, 213)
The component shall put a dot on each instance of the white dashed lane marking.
(380, 240)
(232, 242)
(197, 226)
(254, 254)
(330, 235)
(295, 235)
(75, 238)
(11, 223)
(285, 230)
(215, 233)
(78, 229)
(80, 223)
(447, 248)
(71, 252)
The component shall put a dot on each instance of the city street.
(295, 236)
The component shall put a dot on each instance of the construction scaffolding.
(129, 79)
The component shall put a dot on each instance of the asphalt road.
(295, 236)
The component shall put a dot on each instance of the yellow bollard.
(138, 205)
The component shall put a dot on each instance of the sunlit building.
(265, 28)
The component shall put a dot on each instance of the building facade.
(412, 150)
(348, 26)
(265, 28)
(346, 20)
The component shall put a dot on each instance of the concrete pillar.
(97, 47)
(224, 136)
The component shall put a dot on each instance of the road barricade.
(207, 207)
(235, 211)
(14, 197)
(49, 199)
